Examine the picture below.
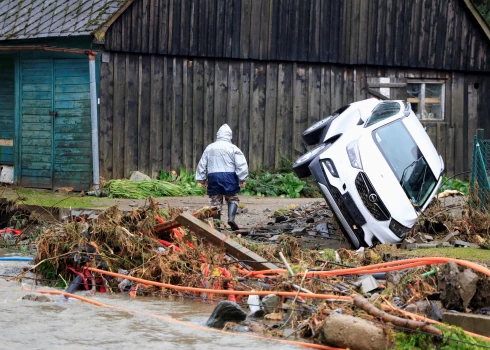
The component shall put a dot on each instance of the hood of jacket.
(224, 133)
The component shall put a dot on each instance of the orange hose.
(169, 319)
(222, 291)
(384, 267)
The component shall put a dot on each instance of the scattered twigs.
(363, 304)
(287, 264)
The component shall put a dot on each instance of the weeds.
(454, 184)
(453, 338)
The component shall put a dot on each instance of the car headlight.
(353, 153)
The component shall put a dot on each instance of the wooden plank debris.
(215, 237)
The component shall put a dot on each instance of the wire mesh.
(480, 173)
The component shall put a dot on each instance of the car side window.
(383, 111)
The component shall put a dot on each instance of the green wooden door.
(72, 127)
(55, 123)
(7, 109)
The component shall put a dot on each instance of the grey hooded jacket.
(222, 164)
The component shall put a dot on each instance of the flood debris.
(276, 288)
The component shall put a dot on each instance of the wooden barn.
(173, 71)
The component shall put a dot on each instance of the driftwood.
(363, 304)
(202, 214)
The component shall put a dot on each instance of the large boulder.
(354, 333)
(137, 176)
(226, 311)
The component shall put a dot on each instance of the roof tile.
(22, 19)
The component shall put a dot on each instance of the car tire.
(300, 166)
(312, 135)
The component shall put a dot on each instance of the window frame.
(422, 100)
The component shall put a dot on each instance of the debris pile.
(322, 296)
(313, 225)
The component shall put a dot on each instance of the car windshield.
(407, 162)
(383, 111)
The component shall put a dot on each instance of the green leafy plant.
(185, 179)
(274, 185)
(454, 184)
(452, 338)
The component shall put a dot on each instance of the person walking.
(223, 170)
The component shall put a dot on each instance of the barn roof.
(25, 19)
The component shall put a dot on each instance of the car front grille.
(343, 201)
(370, 198)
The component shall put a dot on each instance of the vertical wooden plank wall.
(419, 33)
(160, 112)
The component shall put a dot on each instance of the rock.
(457, 288)
(244, 210)
(310, 220)
(280, 218)
(374, 297)
(482, 295)
(420, 307)
(271, 301)
(225, 311)
(257, 314)
(411, 308)
(434, 312)
(40, 298)
(137, 176)
(396, 277)
(351, 332)
(467, 280)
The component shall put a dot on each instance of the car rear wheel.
(300, 166)
(312, 135)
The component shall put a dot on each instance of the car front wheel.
(300, 166)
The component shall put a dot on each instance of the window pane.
(433, 90)
(433, 101)
(433, 111)
(414, 91)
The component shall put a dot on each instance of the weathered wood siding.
(440, 34)
(160, 112)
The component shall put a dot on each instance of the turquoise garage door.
(55, 124)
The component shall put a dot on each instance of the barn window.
(427, 99)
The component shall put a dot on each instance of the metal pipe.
(95, 129)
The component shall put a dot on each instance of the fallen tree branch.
(363, 304)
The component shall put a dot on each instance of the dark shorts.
(217, 199)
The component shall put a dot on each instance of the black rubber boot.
(232, 208)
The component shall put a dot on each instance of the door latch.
(53, 113)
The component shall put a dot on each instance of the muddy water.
(27, 324)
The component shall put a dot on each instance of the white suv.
(376, 167)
